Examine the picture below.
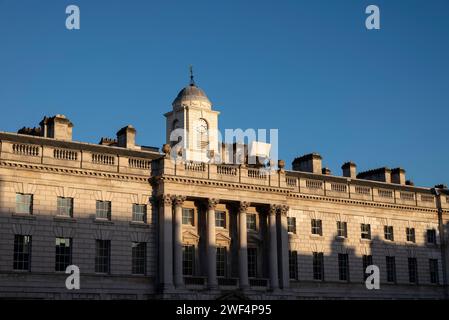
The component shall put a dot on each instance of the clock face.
(201, 126)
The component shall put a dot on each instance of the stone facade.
(208, 230)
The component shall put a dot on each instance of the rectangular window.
(65, 206)
(252, 262)
(367, 261)
(221, 262)
(22, 252)
(63, 254)
(343, 266)
(391, 269)
(342, 229)
(365, 231)
(139, 212)
(412, 270)
(293, 264)
(220, 219)
(102, 256)
(388, 233)
(139, 257)
(410, 232)
(291, 224)
(251, 222)
(103, 210)
(433, 268)
(318, 266)
(188, 216)
(317, 227)
(188, 260)
(431, 236)
(24, 203)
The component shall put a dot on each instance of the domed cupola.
(193, 116)
(192, 95)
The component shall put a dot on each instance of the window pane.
(293, 264)
(187, 216)
(318, 266)
(220, 219)
(221, 261)
(103, 209)
(251, 222)
(188, 259)
(343, 266)
(139, 212)
(367, 261)
(252, 262)
(24, 203)
(139, 250)
(22, 252)
(291, 224)
(391, 269)
(412, 270)
(65, 206)
(102, 256)
(63, 253)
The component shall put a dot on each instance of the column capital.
(212, 203)
(178, 200)
(283, 209)
(243, 206)
(167, 199)
(272, 209)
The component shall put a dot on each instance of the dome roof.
(191, 92)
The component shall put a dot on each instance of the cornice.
(223, 184)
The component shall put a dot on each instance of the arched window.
(202, 129)
(175, 125)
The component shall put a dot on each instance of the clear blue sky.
(309, 68)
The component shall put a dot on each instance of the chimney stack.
(349, 170)
(380, 174)
(308, 163)
(326, 171)
(57, 127)
(126, 137)
(398, 176)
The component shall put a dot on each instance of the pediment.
(223, 238)
(190, 237)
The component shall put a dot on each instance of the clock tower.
(192, 125)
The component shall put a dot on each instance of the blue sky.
(309, 68)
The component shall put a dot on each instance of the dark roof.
(191, 92)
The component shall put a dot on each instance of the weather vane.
(192, 82)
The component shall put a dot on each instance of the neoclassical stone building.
(140, 225)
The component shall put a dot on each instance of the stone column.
(177, 240)
(211, 245)
(285, 277)
(273, 253)
(243, 246)
(167, 242)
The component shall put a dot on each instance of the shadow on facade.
(43, 282)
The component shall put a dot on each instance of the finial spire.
(192, 82)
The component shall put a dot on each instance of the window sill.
(24, 216)
(103, 221)
(365, 240)
(21, 271)
(340, 238)
(315, 236)
(139, 224)
(64, 219)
